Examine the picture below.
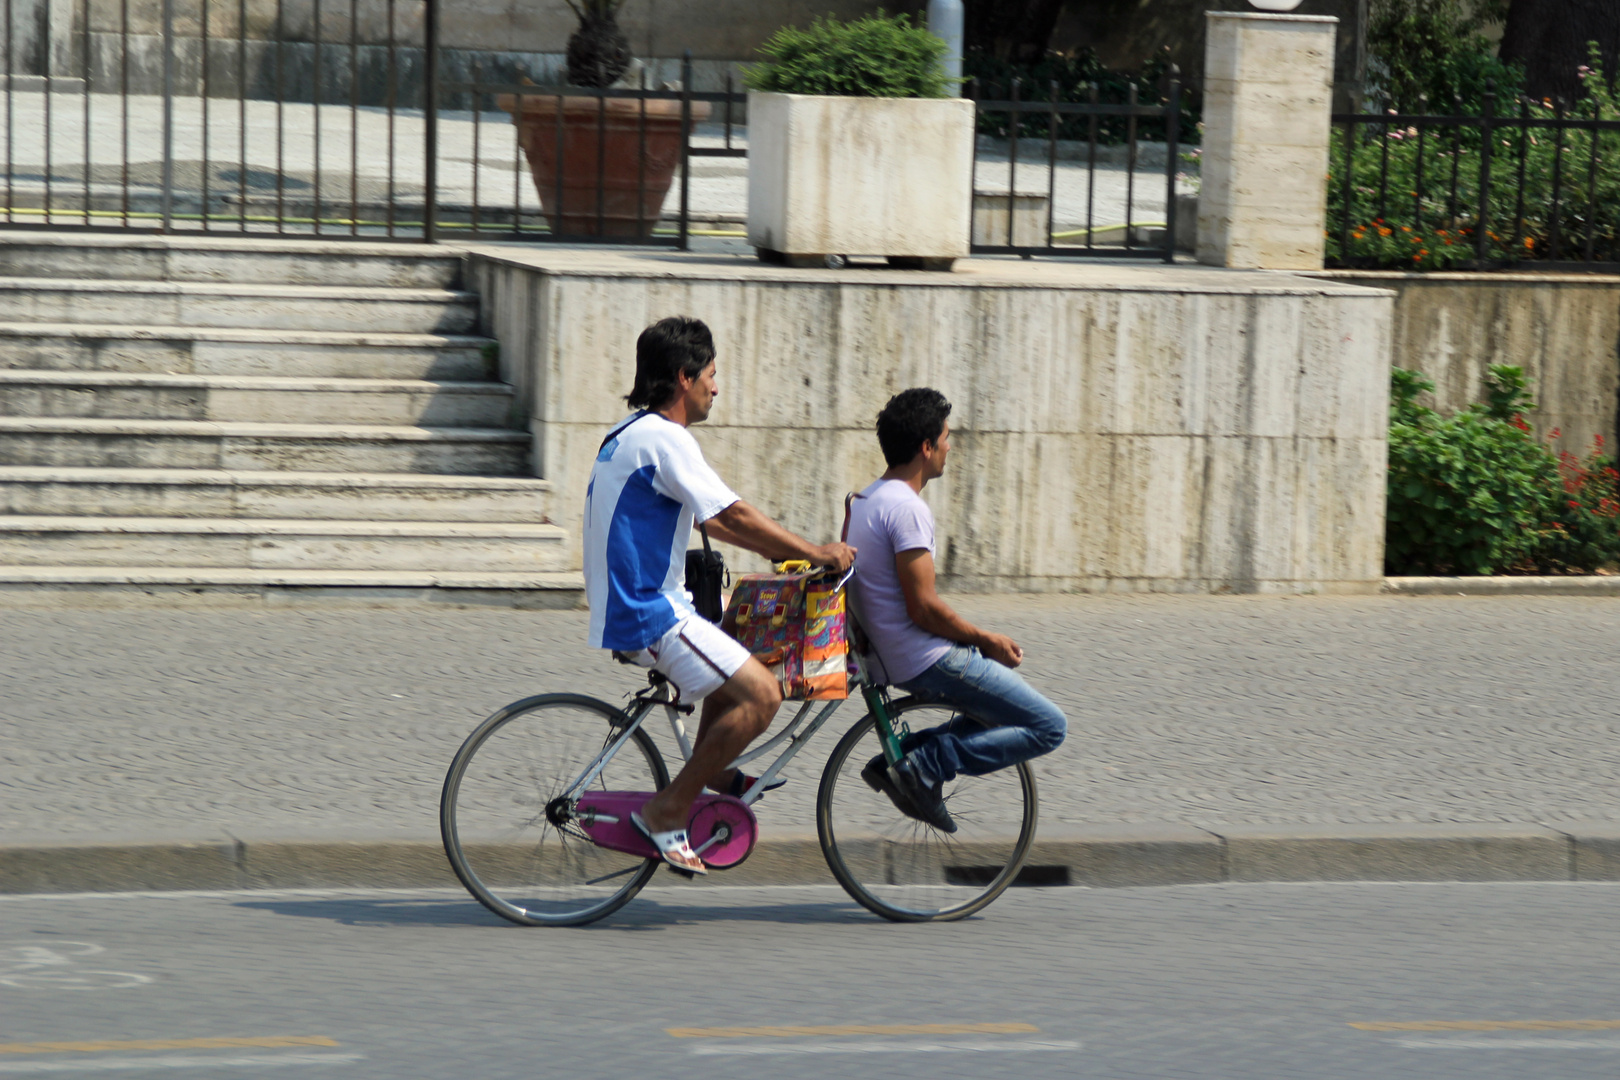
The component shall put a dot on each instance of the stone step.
(226, 351)
(279, 544)
(167, 587)
(228, 259)
(255, 494)
(308, 307)
(121, 395)
(212, 444)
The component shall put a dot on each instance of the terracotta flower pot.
(602, 142)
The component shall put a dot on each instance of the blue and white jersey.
(648, 485)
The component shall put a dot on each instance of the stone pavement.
(1244, 716)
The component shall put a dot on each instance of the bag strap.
(618, 430)
(703, 530)
(861, 639)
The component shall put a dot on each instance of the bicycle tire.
(495, 812)
(904, 870)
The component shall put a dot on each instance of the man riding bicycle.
(648, 485)
(919, 643)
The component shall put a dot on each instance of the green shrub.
(1434, 49)
(1478, 493)
(876, 56)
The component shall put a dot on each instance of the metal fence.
(320, 118)
(1531, 184)
(1087, 198)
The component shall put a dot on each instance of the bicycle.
(535, 813)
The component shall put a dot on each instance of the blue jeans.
(1022, 723)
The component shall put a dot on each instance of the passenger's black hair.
(664, 351)
(911, 418)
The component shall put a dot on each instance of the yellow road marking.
(1491, 1025)
(162, 1044)
(851, 1029)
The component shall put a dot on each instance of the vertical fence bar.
(1591, 182)
(168, 114)
(1417, 180)
(11, 50)
(1555, 240)
(241, 115)
(973, 162)
(393, 97)
(316, 93)
(1347, 191)
(354, 117)
(601, 165)
(1172, 139)
(517, 164)
(1482, 232)
(728, 104)
(478, 127)
(1091, 173)
(1456, 167)
(559, 224)
(1130, 164)
(1014, 119)
(430, 141)
(281, 121)
(1383, 171)
(203, 45)
(88, 112)
(49, 87)
(123, 86)
(642, 227)
(686, 151)
(1052, 122)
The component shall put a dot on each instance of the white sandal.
(673, 847)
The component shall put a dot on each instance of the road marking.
(852, 1029)
(1509, 1044)
(103, 1045)
(1491, 1025)
(1008, 1046)
(178, 1062)
(33, 966)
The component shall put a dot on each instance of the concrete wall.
(1563, 329)
(1117, 428)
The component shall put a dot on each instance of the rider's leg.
(733, 716)
(1023, 723)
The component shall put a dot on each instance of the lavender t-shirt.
(889, 518)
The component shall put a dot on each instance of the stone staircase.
(237, 417)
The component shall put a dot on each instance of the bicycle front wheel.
(505, 818)
(908, 871)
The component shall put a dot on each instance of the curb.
(1121, 856)
(1572, 585)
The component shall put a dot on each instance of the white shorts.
(696, 656)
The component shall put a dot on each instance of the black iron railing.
(1092, 203)
(1522, 183)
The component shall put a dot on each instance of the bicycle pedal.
(678, 872)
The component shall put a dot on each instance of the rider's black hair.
(911, 418)
(666, 349)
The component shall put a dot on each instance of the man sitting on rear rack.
(918, 642)
(648, 485)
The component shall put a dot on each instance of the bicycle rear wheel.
(903, 869)
(505, 823)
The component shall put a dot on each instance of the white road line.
(177, 1061)
(1551, 1043)
(1005, 1046)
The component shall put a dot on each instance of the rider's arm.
(747, 527)
(915, 570)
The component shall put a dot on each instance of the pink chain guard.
(709, 813)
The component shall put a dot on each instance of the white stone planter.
(859, 176)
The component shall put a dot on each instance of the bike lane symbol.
(56, 967)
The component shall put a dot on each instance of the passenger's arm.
(747, 527)
(916, 572)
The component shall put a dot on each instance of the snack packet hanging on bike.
(794, 623)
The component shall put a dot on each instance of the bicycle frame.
(660, 694)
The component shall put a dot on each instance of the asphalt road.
(1246, 982)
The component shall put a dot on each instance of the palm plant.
(598, 51)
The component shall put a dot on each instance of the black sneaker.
(930, 805)
(876, 775)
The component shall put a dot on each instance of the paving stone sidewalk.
(329, 724)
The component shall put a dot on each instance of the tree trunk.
(1015, 30)
(1549, 37)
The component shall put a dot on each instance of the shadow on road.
(642, 913)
